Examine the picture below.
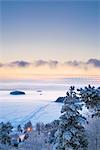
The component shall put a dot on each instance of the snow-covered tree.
(28, 126)
(19, 129)
(52, 128)
(91, 96)
(5, 130)
(38, 127)
(71, 134)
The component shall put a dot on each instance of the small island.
(39, 91)
(60, 99)
(17, 93)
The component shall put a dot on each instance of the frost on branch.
(71, 133)
(91, 96)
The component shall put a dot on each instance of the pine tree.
(38, 127)
(19, 129)
(91, 97)
(71, 134)
(28, 126)
(5, 130)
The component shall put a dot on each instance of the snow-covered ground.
(35, 106)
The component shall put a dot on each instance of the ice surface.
(35, 106)
(32, 106)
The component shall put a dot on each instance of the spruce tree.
(19, 129)
(5, 130)
(71, 134)
(28, 126)
(91, 97)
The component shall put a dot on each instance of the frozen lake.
(32, 106)
(36, 106)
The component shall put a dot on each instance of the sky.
(49, 38)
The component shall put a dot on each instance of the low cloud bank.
(50, 63)
(53, 63)
(19, 64)
(94, 62)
